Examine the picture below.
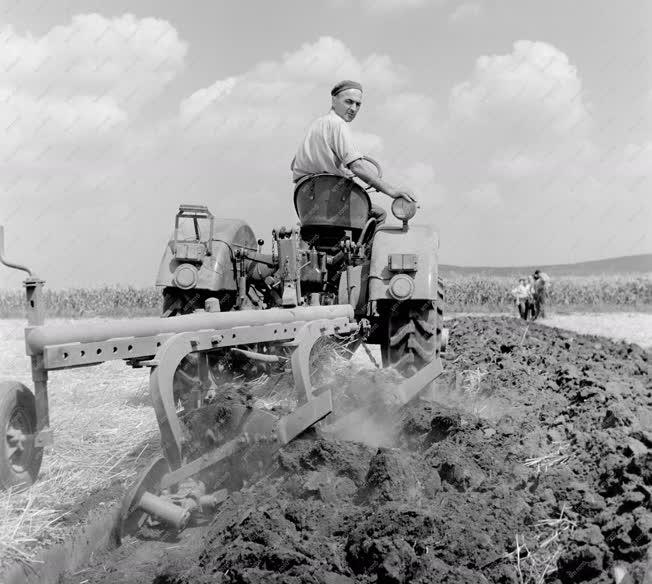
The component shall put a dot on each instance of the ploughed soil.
(532, 463)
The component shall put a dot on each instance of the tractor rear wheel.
(20, 459)
(413, 334)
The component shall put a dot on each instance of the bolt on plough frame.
(162, 344)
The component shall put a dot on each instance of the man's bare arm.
(365, 171)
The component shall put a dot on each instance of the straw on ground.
(102, 428)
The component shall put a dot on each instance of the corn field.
(86, 302)
(564, 291)
(462, 292)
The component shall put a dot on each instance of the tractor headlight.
(185, 276)
(401, 287)
(403, 209)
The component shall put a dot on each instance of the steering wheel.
(375, 163)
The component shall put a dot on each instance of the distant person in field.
(523, 297)
(539, 290)
(329, 147)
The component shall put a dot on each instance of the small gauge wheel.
(20, 459)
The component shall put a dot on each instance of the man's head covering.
(344, 85)
(536, 272)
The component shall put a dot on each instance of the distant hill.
(634, 264)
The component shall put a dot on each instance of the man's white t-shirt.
(328, 147)
(521, 291)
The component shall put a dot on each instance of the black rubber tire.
(439, 320)
(412, 336)
(17, 405)
(176, 302)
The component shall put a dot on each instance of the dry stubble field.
(104, 429)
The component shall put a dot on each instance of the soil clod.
(533, 465)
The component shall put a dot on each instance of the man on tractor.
(329, 148)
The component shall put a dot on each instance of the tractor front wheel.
(413, 335)
(20, 459)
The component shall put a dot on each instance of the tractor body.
(336, 254)
(198, 259)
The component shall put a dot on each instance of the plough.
(372, 302)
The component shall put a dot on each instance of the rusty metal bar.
(5, 261)
(78, 354)
(164, 510)
(37, 338)
(262, 357)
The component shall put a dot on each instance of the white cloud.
(466, 11)
(29, 119)
(197, 103)
(67, 96)
(278, 99)
(381, 73)
(521, 115)
(413, 112)
(570, 157)
(533, 90)
(128, 58)
(326, 61)
(421, 177)
(371, 144)
(321, 63)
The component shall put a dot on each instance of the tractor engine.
(218, 265)
(295, 273)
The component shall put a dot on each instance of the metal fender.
(215, 272)
(420, 241)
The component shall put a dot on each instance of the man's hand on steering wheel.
(360, 169)
(404, 193)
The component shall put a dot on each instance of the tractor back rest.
(327, 206)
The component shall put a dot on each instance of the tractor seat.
(328, 206)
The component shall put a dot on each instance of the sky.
(524, 127)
